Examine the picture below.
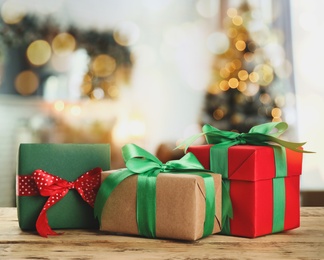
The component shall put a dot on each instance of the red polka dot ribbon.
(47, 185)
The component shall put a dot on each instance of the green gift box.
(57, 185)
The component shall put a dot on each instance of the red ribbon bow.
(56, 188)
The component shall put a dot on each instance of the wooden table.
(306, 242)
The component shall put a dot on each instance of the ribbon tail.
(92, 181)
(43, 227)
(227, 208)
(226, 199)
(186, 143)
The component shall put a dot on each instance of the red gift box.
(251, 178)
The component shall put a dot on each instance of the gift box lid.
(250, 162)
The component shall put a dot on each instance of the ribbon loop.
(240, 139)
(71, 185)
(164, 168)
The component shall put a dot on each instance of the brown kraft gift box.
(180, 206)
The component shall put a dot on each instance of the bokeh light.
(280, 100)
(265, 74)
(237, 118)
(224, 73)
(223, 85)
(63, 44)
(242, 86)
(75, 110)
(26, 82)
(237, 64)
(240, 45)
(59, 105)
(230, 66)
(276, 114)
(207, 8)
(98, 93)
(233, 83)
(231, 12)
(218, 114)
(251, 89)
(254, 77)
(126, 33)
(113, 91)
(232, 32)
(265, 99)
(39, 52)
(248, 56)
(12, 12)
(237, 20)
(103, 65)
(243, 75)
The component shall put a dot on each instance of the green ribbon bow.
(264, 135)
(147, 167)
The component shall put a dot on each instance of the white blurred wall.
(308, 27)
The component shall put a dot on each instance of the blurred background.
(152, 72)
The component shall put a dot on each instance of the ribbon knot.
(164, 168)
(55, 188)
(240, 139)
(71, 185)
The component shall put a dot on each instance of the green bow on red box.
(262, 135)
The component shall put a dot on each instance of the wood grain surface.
(306, 242)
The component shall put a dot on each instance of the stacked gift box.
(238, 184)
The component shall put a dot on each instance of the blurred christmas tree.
(242, 92)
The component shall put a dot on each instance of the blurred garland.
(32, 28)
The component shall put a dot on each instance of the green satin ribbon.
(279, 189)
(227, 209)
(147, 167)
(264, 135)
